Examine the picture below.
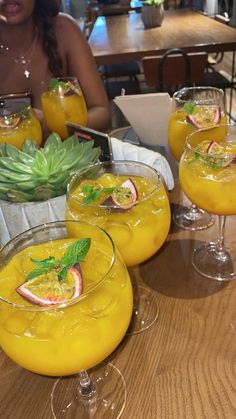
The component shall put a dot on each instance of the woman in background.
(38, 43)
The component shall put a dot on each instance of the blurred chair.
(121, 76)
(221, 79)
(174, 69)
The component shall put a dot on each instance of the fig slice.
(204, 116)
(46, 290)
(124, 197)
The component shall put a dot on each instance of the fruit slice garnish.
(124, 197)
(217, 152)
(64, 88)
(214, 148)
(9, 122)
(204, 116)
(45, 290)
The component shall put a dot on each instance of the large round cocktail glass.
(67, 338)
(208, 177)
(63, 101)
(139, 227)
(194, 108)
(16, 127)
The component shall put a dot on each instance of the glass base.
(107, 402)
(192, 218)
(145, 311)
(210, 264)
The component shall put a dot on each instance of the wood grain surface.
(123, 38)
(183, 367)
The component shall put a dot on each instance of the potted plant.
(33, 181)
(152, 13)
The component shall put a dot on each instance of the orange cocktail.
(207, 174)
(195, 108)
(128, 200)
(62, 102)
(61, 328)
(15, 128)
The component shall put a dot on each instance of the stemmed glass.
(17, 126)
(139, 227)
(194, 108)
(63, 101)
(207, 173)
(75, 332)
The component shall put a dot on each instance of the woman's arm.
(78, 61)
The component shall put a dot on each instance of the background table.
(123, 38)
(183, 366)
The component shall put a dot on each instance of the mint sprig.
(92, 193)
(189, 107)
(42, 267)
(74, 254)
(56, 84)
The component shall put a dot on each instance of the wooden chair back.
(173, 69)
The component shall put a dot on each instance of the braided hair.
(44, 13)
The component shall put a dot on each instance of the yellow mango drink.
(62, 322)
(193, 109)
(63, 102)
(16, 128)
(128, 200)
(208, 174)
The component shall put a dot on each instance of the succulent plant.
(38, 174)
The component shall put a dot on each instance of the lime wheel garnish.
(9, 122)
(46, 290)
(124, 197)
(204, 116)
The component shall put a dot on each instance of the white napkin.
(148, 114)
(127, 151)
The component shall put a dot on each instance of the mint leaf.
(42, 267)
(53, 83)
(189, 107)
(73, 255)
(91, 193)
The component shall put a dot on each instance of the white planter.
(16, 218)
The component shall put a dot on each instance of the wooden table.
(123, 38)
(99, 9)
(183, 367)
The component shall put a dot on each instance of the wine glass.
(208, 177)
(16, 127)
(63, 101)
(194, 108)
(62, 326)
(129, 201)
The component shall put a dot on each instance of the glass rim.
(110, 163)
(176, 95)
(55, 307)
(193, 148)
(27, 108)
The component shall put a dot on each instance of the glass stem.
(192, 212)
(86, 386)
(219, 245)
(193, 209)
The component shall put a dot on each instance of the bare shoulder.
(67, 29)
